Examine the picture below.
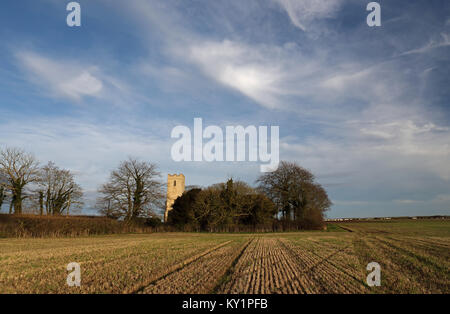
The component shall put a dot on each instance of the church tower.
(175, 188)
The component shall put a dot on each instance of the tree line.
(222, 205)
(49, 189)
(289, 196)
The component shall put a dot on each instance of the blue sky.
(366, 109)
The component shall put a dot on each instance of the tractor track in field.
(325, 263)
(346, 228)
(227, 276)
(178, 267)
(202, 275)
(414, 260)
(261, 269)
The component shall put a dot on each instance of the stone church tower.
(175, 188)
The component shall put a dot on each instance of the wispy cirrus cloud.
(276, 76)
(73, 80)
(63, 79)
(240, 67)
(443, 41)
(304, 12)
(373, 107)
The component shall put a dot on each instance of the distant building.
(175, 188)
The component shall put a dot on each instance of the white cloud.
(303, 12)
(63, 79)
(370, 153)
(376, 133)
(78, 81)
(443, 41)
(239, 67)
(283, 77)
(275, 76)
(81, 85)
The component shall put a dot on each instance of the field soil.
(414, 257)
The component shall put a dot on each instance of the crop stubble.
(289, 263)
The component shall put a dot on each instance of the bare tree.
(20, 169)
(3, 182)
(134, 190)
(58, 190)
(2, 196)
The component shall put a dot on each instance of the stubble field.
(414, 258)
